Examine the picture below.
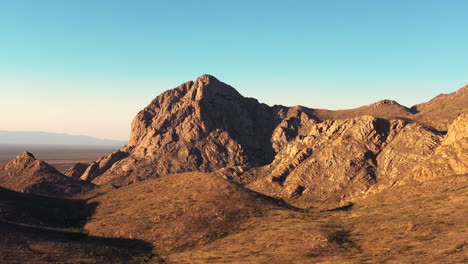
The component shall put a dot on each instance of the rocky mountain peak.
(207, 86)
(200, 100)
(26, 161)
(25, 173)
(25, 156)
(385, 102)
(202, 125)
(22, 160)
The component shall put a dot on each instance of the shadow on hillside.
(21, 242)
(343, 208)
(44, 211)
(277, 201)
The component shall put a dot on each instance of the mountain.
(26, 174)
(35, 137)
(202, 125)
(300, 154)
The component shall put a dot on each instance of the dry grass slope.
(420, 223)
(182, 211)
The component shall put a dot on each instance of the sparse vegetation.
(77, 233)
(343, 238)
(458, 248)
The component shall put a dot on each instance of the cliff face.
(26, 174)
(202, 125)
(295, 153)
(451, 158)
(330, 159)
(338, 160)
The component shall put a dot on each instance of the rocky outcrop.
(413, 144)
(202, 125)
(76, 170)
(451, 157)
(100, 166)
(26, 174)
(332, 160)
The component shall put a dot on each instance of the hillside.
(183, 211)
(443, 109)
(410, 224)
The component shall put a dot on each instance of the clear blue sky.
(88, 66)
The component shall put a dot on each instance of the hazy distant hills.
(36, 137)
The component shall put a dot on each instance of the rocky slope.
(26, 174)
(77, 170)
(451, 158)
(333, 159)
(296, 153)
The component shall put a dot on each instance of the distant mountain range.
(36, 137)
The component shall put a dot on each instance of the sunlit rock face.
(295, 153)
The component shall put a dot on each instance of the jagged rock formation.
(76, 170)
(295, 153)
(203, 125)
(26, 174)
(98, 167)
(411, 145)
(451, 158)
(333, 159)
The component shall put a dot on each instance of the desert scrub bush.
(343, 238)
(456, 249)
(424, 238)
(220, 235)
(148, 258)
(77, 233)
(404, 247)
